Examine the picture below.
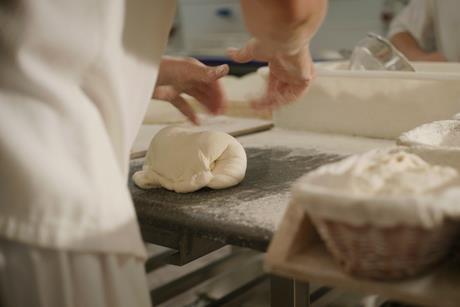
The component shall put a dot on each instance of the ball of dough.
(186, 159)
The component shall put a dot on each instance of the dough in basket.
(187, 159)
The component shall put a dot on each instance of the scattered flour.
(264, 213)
(444, 133)
(276, 158)
(327, 143)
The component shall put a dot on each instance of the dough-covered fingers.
(190, 76)
(184, 73)
(213, 73)
(185, 109)
(164, 92)
(202, 75)
(212, 97)
(282, 31)
(289, 78)
(290, 71)
(296, 68)
(244, 54)
(170, 94)
(279, 93)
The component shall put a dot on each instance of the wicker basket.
(386, 253)
(380, 236)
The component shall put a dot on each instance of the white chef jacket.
(434, 24)
(75, 80)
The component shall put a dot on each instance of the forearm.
(407, 44)
(289, 24)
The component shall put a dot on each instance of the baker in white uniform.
(75, 81)
(427, 30)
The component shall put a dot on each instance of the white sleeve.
(417, 19)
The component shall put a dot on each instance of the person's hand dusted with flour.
(189, 76)
(281, 31)
(75, 81)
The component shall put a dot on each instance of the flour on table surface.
(256, 204)
(276, 159)
(265, 213)
(327, 143)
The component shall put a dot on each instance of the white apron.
(34, 276)
(75, 80)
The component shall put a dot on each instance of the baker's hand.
(189, 76)
(290, 72)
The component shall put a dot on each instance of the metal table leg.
(288, 293)
(188, 246)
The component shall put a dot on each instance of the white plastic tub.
(377, 104)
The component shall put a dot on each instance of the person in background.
(75, 81)
(427, 30)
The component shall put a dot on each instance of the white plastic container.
(380, 104)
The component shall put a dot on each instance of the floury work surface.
(246, 215)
